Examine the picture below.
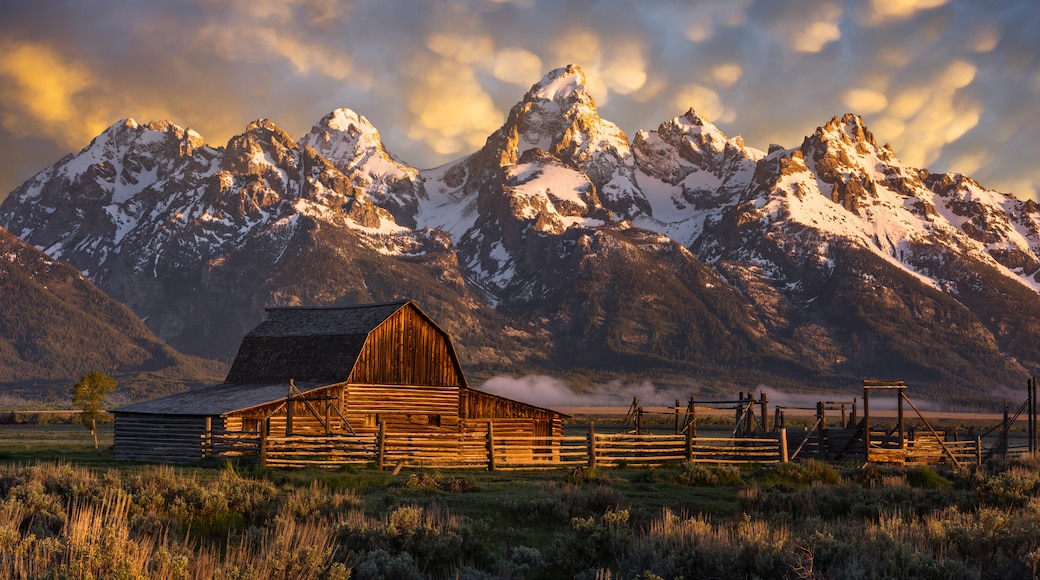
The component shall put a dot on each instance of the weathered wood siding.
(162, 438)
(475, 404)
(409, 408)
(407, 349)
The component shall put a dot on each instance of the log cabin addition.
(336, 372)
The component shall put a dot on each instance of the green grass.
(25, 443)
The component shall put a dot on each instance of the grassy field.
(68, 512)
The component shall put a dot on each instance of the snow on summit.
(560, 84)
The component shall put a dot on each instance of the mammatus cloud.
(706, 101)
(950, 84)
(924, 119)
(882, 11)
(704, 19)
(452, 114)
(517, 66)
(727, 75)
(865, 101)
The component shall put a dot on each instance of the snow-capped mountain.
(560, 245)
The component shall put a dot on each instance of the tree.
(88, 395)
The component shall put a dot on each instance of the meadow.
(68, 512)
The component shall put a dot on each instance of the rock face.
(560, 246)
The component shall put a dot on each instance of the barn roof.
(308, 344)
(217, 399)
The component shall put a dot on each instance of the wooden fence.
(486, 450)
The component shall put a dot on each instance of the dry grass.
(59, 520)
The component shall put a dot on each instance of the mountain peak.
(348, 139)
(560, 85)
(694, 118)
(344, 119)
(849, 128)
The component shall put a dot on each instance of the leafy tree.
(88, 395)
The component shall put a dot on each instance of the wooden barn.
(338, 373)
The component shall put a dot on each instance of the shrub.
(1012, 488)
(925, 477)
(591, 542)
(711, 476)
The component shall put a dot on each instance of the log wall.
(162, 438)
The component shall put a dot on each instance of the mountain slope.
(55, 326)
(561, 246)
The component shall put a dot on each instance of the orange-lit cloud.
(518, 66)
(451, 113)
(44, 93)
(881, 11)
(728, 74)
(706, 101)
(947, 85)
(865, 101)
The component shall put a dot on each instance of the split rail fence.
(486, 450)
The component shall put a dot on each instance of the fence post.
(978, 450)
(491, 445)
(1033, 414)
(1004, 433)
(899, 419)
(677, 431)
(381, 446)
(264, 428)
(592, 444)
(207, 441)
(764, 412)
(783, 445)
(866, 421)
(689, 445)
(821, 415)
(693, 417)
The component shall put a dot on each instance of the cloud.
(705, 18)
(451, 112)
(706, 102)
(805, 27)
(518, 66)
(815, 36)
(582, 47)
(865, 101)
(985, 40)
(882, 11)
(958, 74)
(728, 74)
(625, 71)
(954, 75)
(461, 48)
(545, 391)
(44, 93)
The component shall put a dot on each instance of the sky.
(951, 85)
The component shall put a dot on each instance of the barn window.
(372, 420)
(433, 420)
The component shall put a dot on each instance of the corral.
(381, 384)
